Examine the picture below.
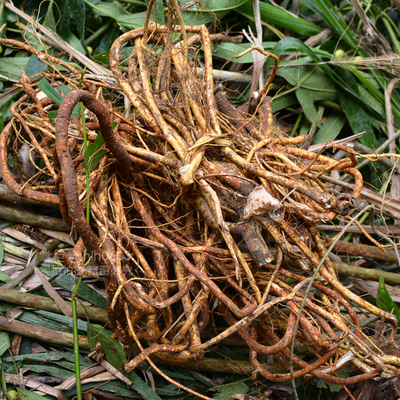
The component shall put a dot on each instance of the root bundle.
(201, 213)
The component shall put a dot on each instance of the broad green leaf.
(53, 94)
(31, 318)
(215, 5)
(63, 26)
(50, 92)
(49, 19)
(5, 106)
(312, 85)
(77, 13)
(384, 301)
(115, 387)
(27, 395)
(95, 152)
(141, 387)
(137, 20)
(286, 100)
(3, 276)
(91, 335)
(10, 67)
(279, 17)
(3, 20)
(202, 17)
(35, 66)
(225, 391)
(115, 354)
(228, 51)
(106, 41)
(307, 99)
(113, 10)
(358, 118)
(62, 319)
(76, 43)
(208, 11)
(69, 282)
(54, 356)
(371, 102)
(330, 129)
(4, 342)
(48, 369)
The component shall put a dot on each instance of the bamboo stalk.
(224, 366)
(6, 194)
(46, 304)
(25, 217)
(42, 334)
(365, 251)
(366, 273)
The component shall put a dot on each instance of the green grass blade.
(279, 17)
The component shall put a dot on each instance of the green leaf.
(63, 27)
(69, 282)
(286, 100)
(3, 20)
(113, 10)
(33, 319)
(49, 19)
(202, 17)
(27, 395)
(326, 10)
(50, 92)
(228, 51)
(208, 11)
(137, 20)
(384, 301)
(215, 5)
(3, 276)
(115, 354)
(116, 388)
(279, 17)
(76, 43)
(54, 356)
(53, 94)
(4, 342)
(312, 85)
(49, 369)
(35, 66)
(330, 129)
(77, 13)
(10, 67)
(106, 41)
(307, 99)
(141, 387)
(359, 119)
(231, 388)
(95, 152)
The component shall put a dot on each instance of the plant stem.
(46, 304)
(6, 194)
(366, 273)
(225, 366)
(76, 343)
(42, 334)
(100, 32)
(25, 217)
